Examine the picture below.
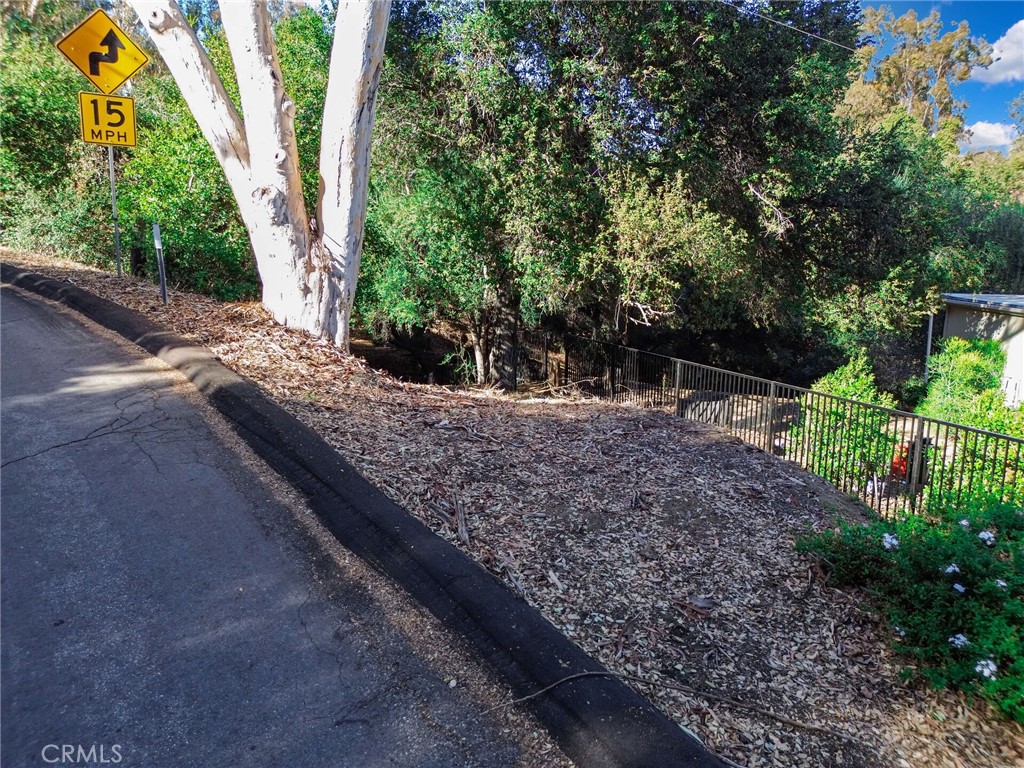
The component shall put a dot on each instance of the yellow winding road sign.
(103, 52)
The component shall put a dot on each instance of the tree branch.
(692, 692)
(269, 113)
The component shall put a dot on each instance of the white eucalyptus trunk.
(272, 204)
(309, 271)
(357, 56)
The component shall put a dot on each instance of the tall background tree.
(909, 63)
(692, 177)
(487, 191)
(620, 164)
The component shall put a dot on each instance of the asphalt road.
(157, 601)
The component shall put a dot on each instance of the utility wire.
(786, 26)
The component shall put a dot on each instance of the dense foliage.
(966, 387)
(689, 176)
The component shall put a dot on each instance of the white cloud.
(1007, 56)
(987, 135)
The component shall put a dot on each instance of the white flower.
(988, 537)
(952, 568)
(890, 542)
(960, 588)
(965, 523)
(1001, 584)
(986, 668)
(959, 641)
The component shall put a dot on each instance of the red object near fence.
(898, 469)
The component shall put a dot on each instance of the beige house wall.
(970, 323)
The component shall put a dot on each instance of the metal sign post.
(113, 205)
(160, 261)
(928, 345)
(104, 53)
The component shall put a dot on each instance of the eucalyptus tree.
(308, 264)
(909, 63)
(924, 219)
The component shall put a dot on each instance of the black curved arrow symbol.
(112, 43)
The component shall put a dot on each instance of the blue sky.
(988, 93)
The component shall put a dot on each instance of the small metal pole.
(160, 261)
(515, 356)
(915, 450)
(611, 373)
(113, 205)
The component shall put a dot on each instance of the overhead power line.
(752, 12)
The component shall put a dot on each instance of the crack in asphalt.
(123, 425)
(342, 716)
(401, 680)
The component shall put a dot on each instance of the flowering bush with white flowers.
(952, 588)
(986, 668)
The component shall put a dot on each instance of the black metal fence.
(893, 460)
(538, 358)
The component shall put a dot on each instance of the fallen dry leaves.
(663, 547)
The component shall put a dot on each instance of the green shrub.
(844, 445)
(954, 602)
(965, 387)
(75, 223)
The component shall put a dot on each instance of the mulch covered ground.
(663, 547)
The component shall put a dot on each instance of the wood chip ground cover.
(663, 547)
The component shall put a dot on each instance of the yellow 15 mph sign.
(107, 119)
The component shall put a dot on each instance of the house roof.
(1006, 303)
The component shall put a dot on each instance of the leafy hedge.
(965, 387)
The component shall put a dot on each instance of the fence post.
(772, 406)
(547, 370)
(678, 370)
(914, 456)
(515, 355)
(611, 371)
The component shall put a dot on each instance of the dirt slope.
(661, 546)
